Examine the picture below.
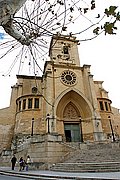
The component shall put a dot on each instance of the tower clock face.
(68, 78)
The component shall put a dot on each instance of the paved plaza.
(62, 175)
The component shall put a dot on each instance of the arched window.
(24, 104)
(19, 105)
(65, 50)
(36, 103)
(30, 100)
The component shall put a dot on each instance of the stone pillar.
(97, 126)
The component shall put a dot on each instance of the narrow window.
(65, 50)
(24, 103)
(16, 106)
(19, 105)
(109, 106)
(106, 106)
(30, 103)
(101, 105)
(36, 103)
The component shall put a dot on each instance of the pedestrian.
(21, 162)
(24, 164)
(28, 161)
(13, 161)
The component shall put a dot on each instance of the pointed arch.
(70, 107)
(75, 97)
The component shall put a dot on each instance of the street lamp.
(111, 128)
(81, 133)
(32, 126)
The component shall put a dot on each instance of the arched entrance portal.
(72, 124)
(74, 117)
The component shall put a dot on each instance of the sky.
(103, 56)
(102, 53)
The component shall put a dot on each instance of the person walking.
(21, 162)
(28, 161)
(24, 164)
(13, 161)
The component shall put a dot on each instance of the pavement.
(53, 175)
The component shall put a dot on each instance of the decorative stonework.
(68, 78)
(34, 90)
(70, 112)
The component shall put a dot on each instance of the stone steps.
(101, 154)
(95, 158)
(87, 167)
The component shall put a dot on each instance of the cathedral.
(63, 106)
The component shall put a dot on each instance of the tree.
(33, 25)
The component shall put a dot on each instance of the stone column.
(97, 126)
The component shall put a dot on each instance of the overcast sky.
(103, 56)
(101, 53)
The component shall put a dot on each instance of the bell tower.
(64, 50)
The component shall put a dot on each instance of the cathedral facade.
(65, 103)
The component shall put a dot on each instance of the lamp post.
(111, 128)
(81, 134)
(32, 126)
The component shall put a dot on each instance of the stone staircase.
(95, 157)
